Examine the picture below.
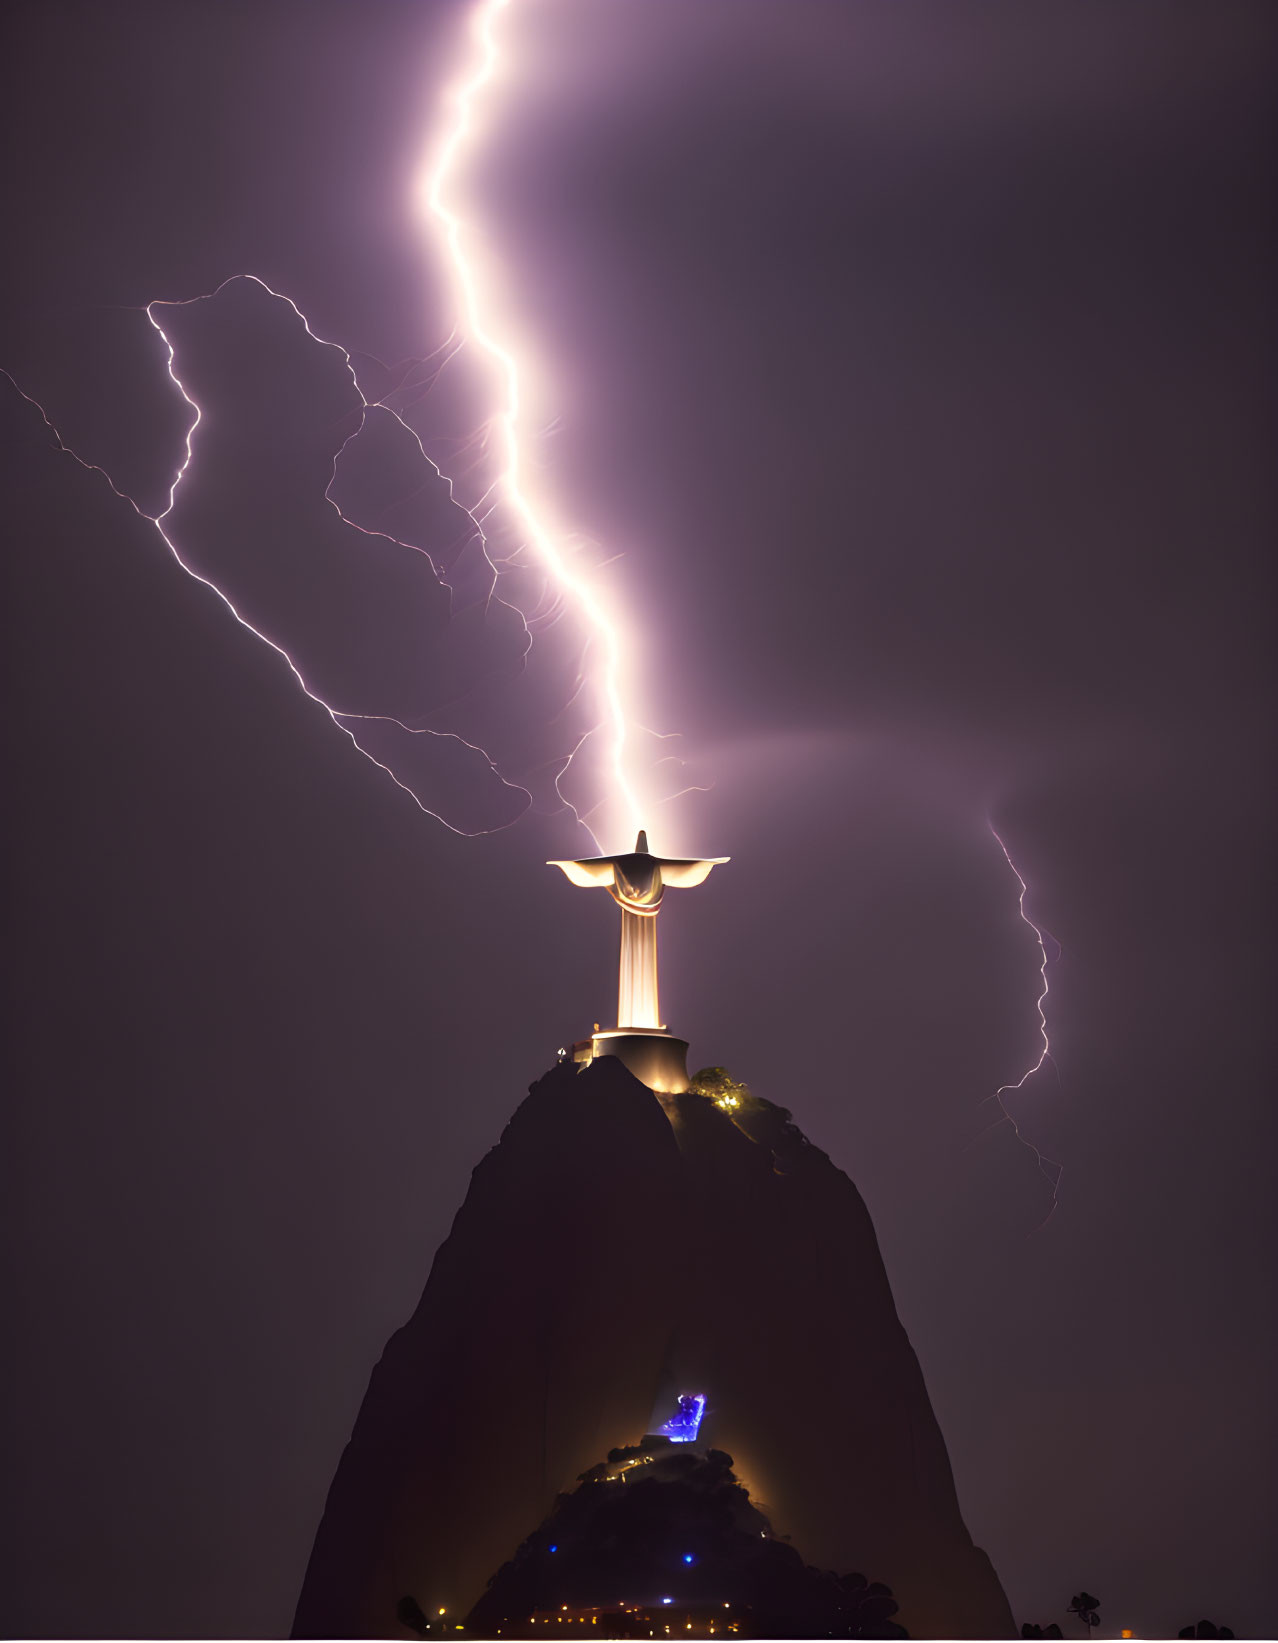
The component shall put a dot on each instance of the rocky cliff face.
(614, 1246)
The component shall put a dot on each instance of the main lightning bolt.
(440, 191)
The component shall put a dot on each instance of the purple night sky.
(918, 363)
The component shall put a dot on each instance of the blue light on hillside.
(555, 1547)
(685, 1423)
(688, 1558)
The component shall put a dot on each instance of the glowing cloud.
(440, 188)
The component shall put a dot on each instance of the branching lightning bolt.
(439, 190)
(158, 521)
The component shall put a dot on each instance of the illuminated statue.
(636, 882)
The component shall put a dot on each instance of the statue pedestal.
(655, 1058)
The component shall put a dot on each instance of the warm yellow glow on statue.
(636, 882)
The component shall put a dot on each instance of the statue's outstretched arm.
(684, 875)
(586, 873)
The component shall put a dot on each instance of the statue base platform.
(657, 1059)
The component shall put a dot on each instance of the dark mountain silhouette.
(614, 1250)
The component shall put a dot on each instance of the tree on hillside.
(1084, 1605)
(720, 1087)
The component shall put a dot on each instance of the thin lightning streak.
(1045, 1053)
(420, 386)
(1051, 1171)
(438, 194)
(157, 521)
(684, 791)
(365, 404)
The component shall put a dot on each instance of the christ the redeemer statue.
(636, 882)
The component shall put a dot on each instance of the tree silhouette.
(1204, 1628)
(1084, 1605)
(1040, 1631)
